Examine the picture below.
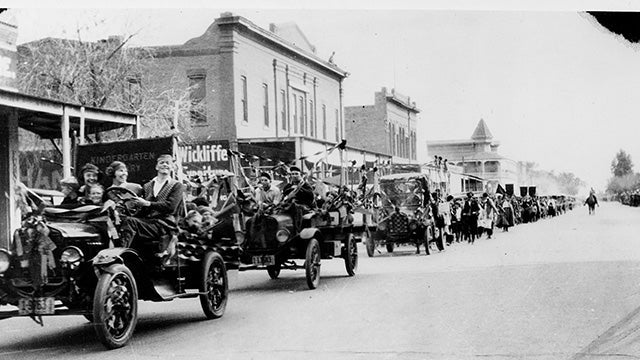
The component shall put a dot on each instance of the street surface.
(561, 288)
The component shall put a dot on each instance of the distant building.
(388, 126)
(478, 156)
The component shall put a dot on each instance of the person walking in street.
(470, 212)
(490, 211)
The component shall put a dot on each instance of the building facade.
(387, 126)
(479, 157)
(265, 91)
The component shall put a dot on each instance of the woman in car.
(118, 172)
(89, 175)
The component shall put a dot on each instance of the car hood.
(75, 230)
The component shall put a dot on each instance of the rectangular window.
(393, 140)
(390, 139)
(245, 100)
(197, 92)
(295, 113)
(312, 125)
(265, 104)
(284, 110)
(303, 117)
(337, 127)
(324, 122)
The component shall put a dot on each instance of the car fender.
(309, 233)
(107, 257)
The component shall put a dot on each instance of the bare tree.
(104, 74)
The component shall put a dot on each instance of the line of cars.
(62, 262)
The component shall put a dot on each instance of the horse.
(592, 201)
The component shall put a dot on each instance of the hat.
(88, 167)
(484, 195)
(165, 157)
(266, 175)
(294, 168)
(71, 182)
(450, 197)
(469, 194)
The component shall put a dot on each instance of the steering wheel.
(124, 200)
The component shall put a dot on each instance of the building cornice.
(242, 23)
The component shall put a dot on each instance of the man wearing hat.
(470, 211)
(299, 189)
(265, 193)
(160, 203)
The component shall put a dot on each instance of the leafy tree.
(621, 164)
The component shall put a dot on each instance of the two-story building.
(479, 157)
(388, 126)
(266, 91)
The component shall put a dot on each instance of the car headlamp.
(240, 237)
(71, 255)
(5, 260)
(282, 235)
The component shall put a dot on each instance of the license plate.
(36, 306)
(264, 260)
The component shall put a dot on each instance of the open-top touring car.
(62, 262)
(278, 236)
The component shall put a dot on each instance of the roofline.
(55, 107)
(239, 20)
(392, 98)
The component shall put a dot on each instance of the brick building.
(266, 91)
(388, 126)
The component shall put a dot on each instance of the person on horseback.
(592, 201)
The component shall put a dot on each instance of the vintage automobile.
(278, 236)
(405, 216)
(62, 263)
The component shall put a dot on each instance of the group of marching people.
(470, 218)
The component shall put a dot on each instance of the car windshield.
(407, 193)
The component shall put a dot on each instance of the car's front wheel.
(115, 306)
(312, 264)
(351, 255)
(214, 283)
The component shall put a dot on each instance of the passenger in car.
(119, 173)
(161, 202)
(69, 187)
(89, 175)
(95, 195)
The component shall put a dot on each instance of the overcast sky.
(554, 87)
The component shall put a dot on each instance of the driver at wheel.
(298, 189)
(160, 204)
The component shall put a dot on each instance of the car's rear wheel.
(274, 271)
(115, 306)
(312, 264)
(369, 243)
(389, 247)
(350, 255)
(214, 283)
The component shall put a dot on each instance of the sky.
(553, 86)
